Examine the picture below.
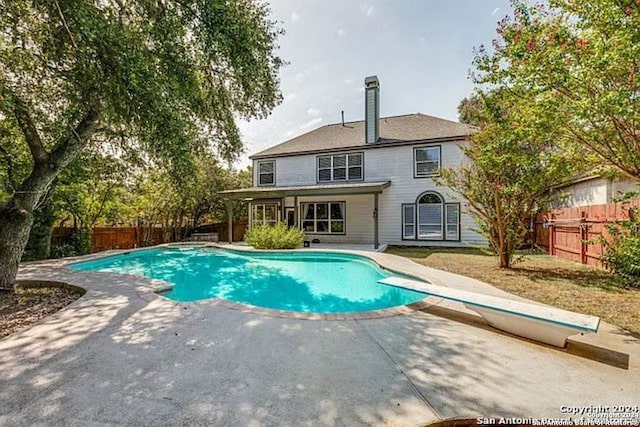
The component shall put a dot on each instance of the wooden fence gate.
(574, 233)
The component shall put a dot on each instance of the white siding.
(619, 188)
(396, 165)
(596, 191)
(359, 218)
(393, 164)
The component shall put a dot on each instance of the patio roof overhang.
(306, 190)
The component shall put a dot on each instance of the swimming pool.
(312, 282)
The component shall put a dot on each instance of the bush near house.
(277, 236)
(622, 249)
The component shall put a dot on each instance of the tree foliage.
(165, 79)
(94, 188)
(513, 163)
(557, 92)
(180, 208)
(578, 62)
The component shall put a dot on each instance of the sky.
(421, 51)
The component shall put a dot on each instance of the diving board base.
(544, 332)
(541, 323)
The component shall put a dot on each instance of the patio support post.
(283, 211)
(376, 243)
(230, 221)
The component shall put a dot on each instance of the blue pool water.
(317, 282)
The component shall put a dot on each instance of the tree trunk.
(505, 259)
(16, 219)
(16, 215)
(14, 234)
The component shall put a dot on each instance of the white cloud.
(311, 123)
(348, 82)
(496, 10)
(294, 17)
(313, 112)
(367, 9)
(290, 96)
(342, 32)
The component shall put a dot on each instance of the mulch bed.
(25, 306)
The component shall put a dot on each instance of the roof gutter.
(381, 144)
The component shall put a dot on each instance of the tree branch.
(64, 22)
(10, 169)
(66, 150)
(28, 128)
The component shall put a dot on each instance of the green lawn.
(543, 278)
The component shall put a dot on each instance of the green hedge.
(622, 257)
(277, 236)
(622, 249)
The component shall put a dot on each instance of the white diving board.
(540, 323)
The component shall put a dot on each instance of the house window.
(409, 221)
(429, 218)
(426, 161)
(452, 219)
(267, 172)
(323, 218)
(264, 214)
(340, 167)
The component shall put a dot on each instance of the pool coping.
(154, 288)
(604, 346)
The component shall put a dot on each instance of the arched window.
(430, 207)
(430, 197)
(431, 218)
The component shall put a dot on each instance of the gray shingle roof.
(396, 129)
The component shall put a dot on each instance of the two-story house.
(369, 181)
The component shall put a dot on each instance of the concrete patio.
(115, 357)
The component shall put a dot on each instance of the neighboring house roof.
(576, 179)
(393, 130)
(593, 174)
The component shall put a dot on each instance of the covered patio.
(290, 212)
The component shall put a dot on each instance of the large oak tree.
(164, 77)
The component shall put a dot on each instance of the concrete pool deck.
(114, 357)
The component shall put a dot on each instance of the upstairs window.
(426, 161)
(266, 172)
(340, 167)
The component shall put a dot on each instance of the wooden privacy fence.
(103, 238)
(239, 229)
(573, 233)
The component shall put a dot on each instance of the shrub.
(277, 236)
(79, 243)
(63, 251)
(622, 249)
(80, 240)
